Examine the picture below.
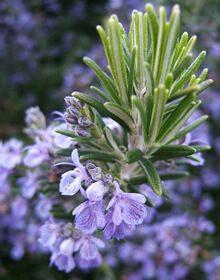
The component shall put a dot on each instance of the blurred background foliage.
(41, 47)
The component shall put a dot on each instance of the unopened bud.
(82, 132)
(107, 179)
(84, 121)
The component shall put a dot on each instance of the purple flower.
(125, 210)
(43, 207)
(60, 140)
(19, 207)
(63, 262)
(39, 152)
(89, 255)
(29, 183)
(89, 216)
(49, 233)
(10, 153)
(71, 181)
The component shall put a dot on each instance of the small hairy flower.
(89, 216)
(125, 210)
(71, 181)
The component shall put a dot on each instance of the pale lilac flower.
(96, 191)
(62, 141)
(63, 262)
(29, 183)
(71, 181)
(43, 207)
(19, 207)
(125, 210)
(4, 183)
(49, 234)
(38, 153)
(35, 121)
(10, 152)
(89, 216)
(89, 255)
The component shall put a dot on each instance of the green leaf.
(190, 127)
(175, 175)
(139, 39)
(169, 81)
(105, 43)
(101, 93)
(136, 102)
(131, 73)
(177, 118)
(204, 85)
(171, 39)
(118, 60)
(186, 91)
(64, 152)
(121, 113)
(173, 151)
(98, 155)
(203, 75)
(182, 66)
(154, 28)
(188, 72)
(91, 101)
(160, 42)
(66, 132)
(201, 148)
(133, 155)
(152, 176)
(105, 80)
(149, 79)
(112, 142)
(160, 97)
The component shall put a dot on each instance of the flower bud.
(84, 122)
(82, 132)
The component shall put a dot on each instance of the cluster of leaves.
(151, 89)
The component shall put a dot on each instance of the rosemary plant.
(134, 131)
(150, 90)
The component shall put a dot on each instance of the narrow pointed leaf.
(121, 113)
(133, 155)
(173, 151)
(190, 127)
(142, 113)
(152, 175)
(160, 98)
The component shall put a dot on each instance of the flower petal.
(96, 191)
(75, 157)
(69, 185)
